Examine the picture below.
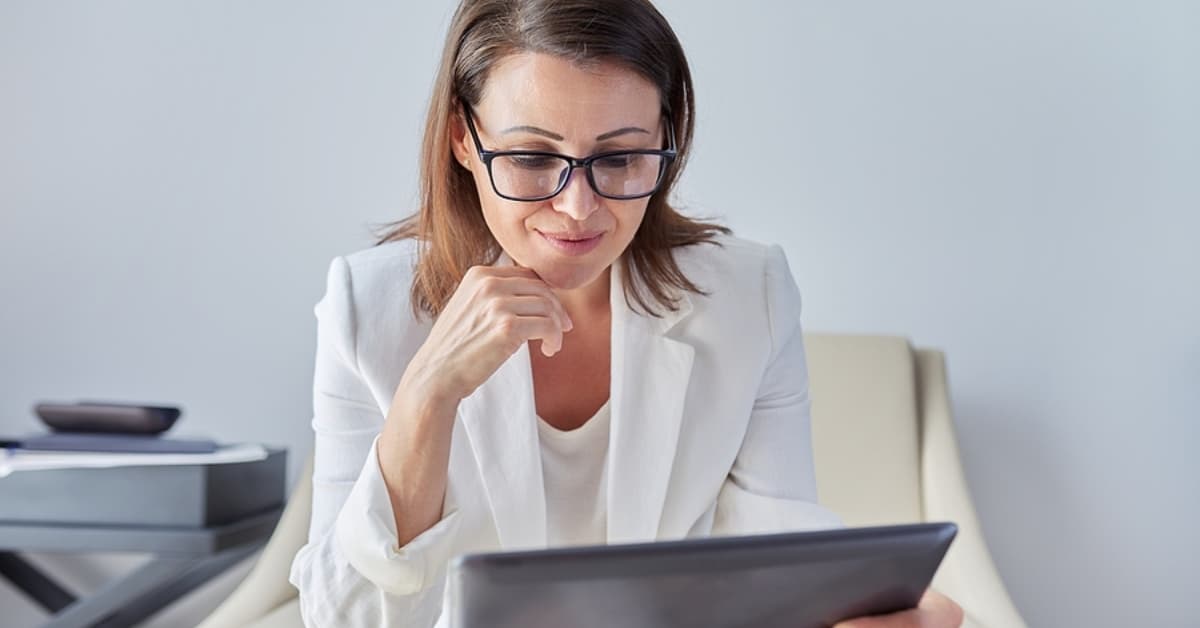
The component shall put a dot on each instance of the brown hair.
(450, 230)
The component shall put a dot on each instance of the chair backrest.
(866, 427)
(266, 587)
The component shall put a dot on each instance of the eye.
(534, 162)
(616, 162)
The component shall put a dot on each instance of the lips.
(573, 243)
(572, 237)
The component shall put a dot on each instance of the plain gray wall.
(1015, 183)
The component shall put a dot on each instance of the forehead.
(549, 91)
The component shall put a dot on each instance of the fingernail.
(569, 326)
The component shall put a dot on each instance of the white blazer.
(709, 434)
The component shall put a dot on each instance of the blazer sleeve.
(351, 572)
(772, 486)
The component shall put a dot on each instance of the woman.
(548, 353)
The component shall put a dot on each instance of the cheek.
(496, 211)
(483, 185)
(630, 215)
(507, 220)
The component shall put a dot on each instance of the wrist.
(414, 423)
(423, 396)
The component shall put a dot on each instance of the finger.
(477, 276)
(933, 611)
(942, 610)
(520, 286)
(476, 273)
(539, 328)
(537, 306)
(902, 619)
(860, 622)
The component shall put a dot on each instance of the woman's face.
(540, 102)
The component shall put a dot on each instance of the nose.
(577, 200)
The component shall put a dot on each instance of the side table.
(184, 559)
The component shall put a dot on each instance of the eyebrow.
(555, 136)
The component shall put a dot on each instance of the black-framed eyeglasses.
(533, 175)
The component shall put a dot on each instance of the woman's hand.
(934, 611)
(491, 314)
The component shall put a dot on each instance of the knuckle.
(493, 309)
(489, 286)
(506, 326)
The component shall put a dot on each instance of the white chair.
(885, 452)
(265, 598)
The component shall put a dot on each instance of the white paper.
(14, 460)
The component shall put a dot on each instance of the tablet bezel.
(897, 563)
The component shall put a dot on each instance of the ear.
(460, 140)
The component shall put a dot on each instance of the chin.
(562, 276)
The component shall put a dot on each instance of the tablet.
(792, 580)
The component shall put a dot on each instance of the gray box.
(168, 495)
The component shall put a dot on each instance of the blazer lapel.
(499, 419)
(650, 373)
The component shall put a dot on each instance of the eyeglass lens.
(538, 176)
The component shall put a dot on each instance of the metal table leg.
(37, 585)
(135, 597)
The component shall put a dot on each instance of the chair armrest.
(968, 575)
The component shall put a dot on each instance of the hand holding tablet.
(933, 611)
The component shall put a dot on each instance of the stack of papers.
(14, 460)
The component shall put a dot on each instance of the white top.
(574, 471)
(709, 432)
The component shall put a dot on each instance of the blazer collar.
(650, 372)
